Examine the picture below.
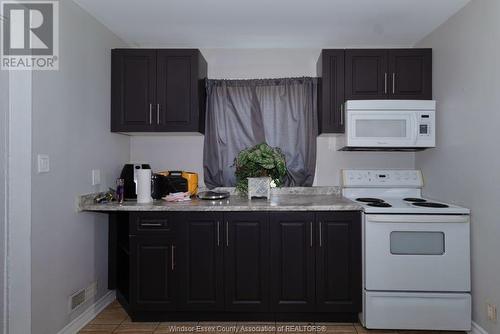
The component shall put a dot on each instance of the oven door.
(381, 129)
(417, 253)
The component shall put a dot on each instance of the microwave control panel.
(425, 123)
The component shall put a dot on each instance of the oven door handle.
(417, 219)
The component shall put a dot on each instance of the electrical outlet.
(96, 177)
(492, 312)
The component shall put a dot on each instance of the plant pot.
(259, 187)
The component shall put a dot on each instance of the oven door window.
(417, 243)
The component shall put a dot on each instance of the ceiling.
(272, 23)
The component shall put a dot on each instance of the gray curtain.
(243, 113)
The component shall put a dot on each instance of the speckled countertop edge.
(282, 199)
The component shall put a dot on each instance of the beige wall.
(465, 168)
(186, 152)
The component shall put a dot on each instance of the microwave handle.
(415, 128)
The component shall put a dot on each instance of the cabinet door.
(200, 261)
(133, 82)
(410, 73)
(330, 68)
(292, 262)
(366, 74)
(246, 258)
(338, 262)
(152, 273)
(177, 96)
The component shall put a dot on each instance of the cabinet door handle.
(320, 234)
(342, 114)
(173, 257)
(227, 234)
(218, 234)
(158, 113)
(393, 82)
(311, 234)
(151, 224)
(150, 113)
(385, 83)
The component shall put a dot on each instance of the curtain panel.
(243, 113)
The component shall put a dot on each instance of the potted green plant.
(260, 161)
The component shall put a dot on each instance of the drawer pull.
(151, 224)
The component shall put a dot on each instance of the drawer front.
(151, 223)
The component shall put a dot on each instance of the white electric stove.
(416, 253)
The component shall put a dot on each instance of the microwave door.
(381, 130)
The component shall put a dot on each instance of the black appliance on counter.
(161, 185)
(129, 176)
(176, 183)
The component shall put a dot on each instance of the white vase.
(259, 187)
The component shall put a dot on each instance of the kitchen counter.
(283, 199)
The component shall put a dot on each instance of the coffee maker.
(129, 175)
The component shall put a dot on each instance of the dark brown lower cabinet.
(292, 262)
(338, 262)
(237, 265)
(152, 273)
(200, 261)
(246, 259)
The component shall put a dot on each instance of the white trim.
(18, 226)
(90, 313)
(476, 329)
(4, 141)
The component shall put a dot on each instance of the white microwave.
(389, 125)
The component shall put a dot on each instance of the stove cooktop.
(396, 205)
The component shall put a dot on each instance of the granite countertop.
(283, 199)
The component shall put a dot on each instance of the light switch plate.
(43, 163)
(96, 177)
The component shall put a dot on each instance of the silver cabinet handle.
(342, 114)
(151, 224)
(394, 83)
(311, 229)
(173, 257)
(150, 113)
(158, 113)
(320, 234)
(218, 234)
(227, 234)
(385, 83)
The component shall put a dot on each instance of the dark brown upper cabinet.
(410, 74)
(330, 70)
(365, 74)
(158, 90)
(388, 74)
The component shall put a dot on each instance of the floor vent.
(82, 296)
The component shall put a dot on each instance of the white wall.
(465, 166)
(186, 152)
(71, 123)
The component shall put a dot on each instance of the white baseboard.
(90, 313)
(476, 329)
